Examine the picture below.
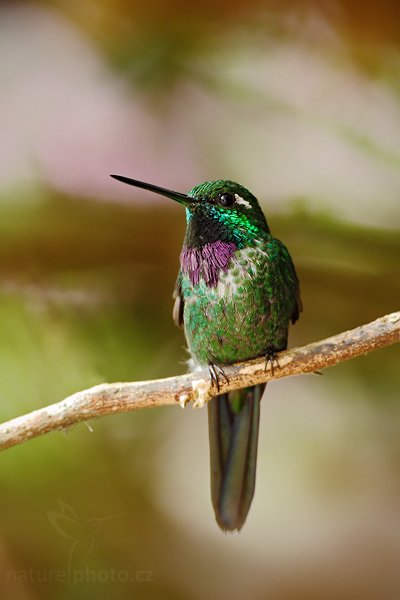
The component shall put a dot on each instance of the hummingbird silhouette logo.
(81, 533)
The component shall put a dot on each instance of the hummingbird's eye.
(226, 199)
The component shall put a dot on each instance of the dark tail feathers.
(233, 421)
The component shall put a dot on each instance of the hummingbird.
(236, 292)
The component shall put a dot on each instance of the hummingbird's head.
(216, 210)
(223, 210)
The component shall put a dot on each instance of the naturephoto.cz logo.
(77, 576)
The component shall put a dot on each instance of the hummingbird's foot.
(201, 392)
(272, 358)
(215, 373)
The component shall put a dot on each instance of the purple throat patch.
(207, 262)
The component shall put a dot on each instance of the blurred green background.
(300, 102)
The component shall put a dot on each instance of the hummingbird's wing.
(283, 292)
(298, 306)
(177, 311)
(294, 289)
(286, 281)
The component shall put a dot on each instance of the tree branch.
(115, 398)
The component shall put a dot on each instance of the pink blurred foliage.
(291, 119)
(69, 120)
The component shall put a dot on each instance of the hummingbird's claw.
(271, 358)
(201, 392)
(215, 373)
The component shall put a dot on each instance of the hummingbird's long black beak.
(177, 196)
